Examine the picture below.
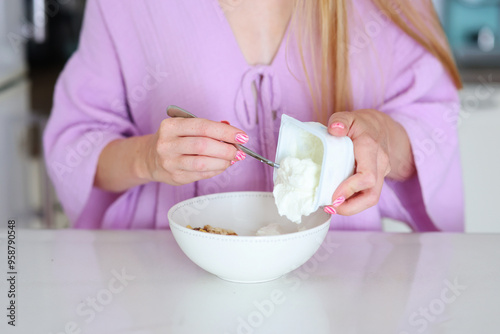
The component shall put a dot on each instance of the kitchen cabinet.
(20, 176)
(15, 187)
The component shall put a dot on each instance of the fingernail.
(232, 162)
(330, 210)
(338, 201)
(337, 125)
(225, 122)
(241, 138)
(240, 155)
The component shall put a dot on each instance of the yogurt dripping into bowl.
(297, 179)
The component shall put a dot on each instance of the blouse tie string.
(262, 109)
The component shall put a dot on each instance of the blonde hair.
(325, 25)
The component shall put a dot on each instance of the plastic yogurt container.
(311, 140)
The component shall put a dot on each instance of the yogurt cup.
(311, 140)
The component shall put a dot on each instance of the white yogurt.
(271, 229)
(295, 187)
(313, 164)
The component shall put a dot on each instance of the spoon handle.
(258, 156)
(174, 111)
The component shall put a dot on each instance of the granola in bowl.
(212, 230)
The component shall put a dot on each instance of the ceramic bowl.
(246, 257)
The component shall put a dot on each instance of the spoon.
(174, 111)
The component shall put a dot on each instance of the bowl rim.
(246, 238)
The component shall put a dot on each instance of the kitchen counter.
(74, 281)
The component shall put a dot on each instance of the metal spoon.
(174, 111)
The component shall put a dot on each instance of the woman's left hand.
(381, 148)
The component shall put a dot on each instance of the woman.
(377, 71)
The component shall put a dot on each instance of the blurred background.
(38, 36)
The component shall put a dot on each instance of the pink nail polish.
(240, 156)
(330, 210)
(338, 201)
(232, 162)
(241, 138)
(337, 125)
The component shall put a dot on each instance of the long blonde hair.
(325, 24)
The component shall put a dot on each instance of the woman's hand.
(381, 148)
(186, 150)
(183, 150)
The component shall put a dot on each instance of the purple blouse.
(137, 57)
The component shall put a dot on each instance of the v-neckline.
(236, 46)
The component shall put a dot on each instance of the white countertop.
(140, 282)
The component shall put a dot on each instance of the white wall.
(480, 147)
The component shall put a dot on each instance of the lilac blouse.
(137, 57)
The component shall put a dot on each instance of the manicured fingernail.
(232, 162)
(338, 201)
(241, 138)
(330, 210)
(225, 122)
(337, 125)
(240, 155)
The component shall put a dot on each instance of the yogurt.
(271, 229)
(312, 165)
(295, 187)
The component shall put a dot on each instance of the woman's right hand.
(185, 150)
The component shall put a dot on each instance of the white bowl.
(246, 257)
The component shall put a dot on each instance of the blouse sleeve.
(89, 111)
(424, 100)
